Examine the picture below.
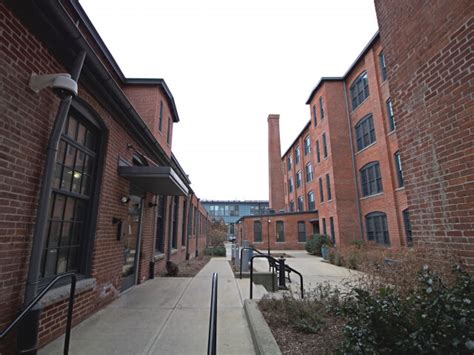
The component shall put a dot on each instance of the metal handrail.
(242, 250)
(287, 268)
(39, 297)
(212, 335)
(251, 272)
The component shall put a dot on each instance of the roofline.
(277, 214)
(297, 137)
(105, 51)
(356, 61)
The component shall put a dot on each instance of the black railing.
(274, 261)
(212, 336)
(38, 298)
(248, 248)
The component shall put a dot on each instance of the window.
(325, 231)
(377, 230)
(365, 132)
(231, 228)
(311, 204)
(301, 232)
(297, 155)
(359, 90)
(160, 120)
(383, 67)
(300, 204)
(174, 241)
(321, 109)
(391, 119)
(292, 206)
(370, 179)
(160, 226)
(309, 172)
(190, 220)
(333, 232)
(298, 179)
(258, 209)
(168, 134)
(321, 194)
(307, 145)
(398, 165)
(257, 231)
(328, 187)
(71, 199)
(407, 224)
(325, 146)
(290, 184)
(280, 230)
(288, 162)
(183, 224)
(314, 116)
(318, 153)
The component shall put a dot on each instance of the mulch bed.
(189, 268)
(292, 341)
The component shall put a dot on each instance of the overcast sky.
(229, 64)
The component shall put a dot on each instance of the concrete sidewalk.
(166, 316)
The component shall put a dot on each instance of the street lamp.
(268, 233)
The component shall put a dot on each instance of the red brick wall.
(429, 50)
(277, 199)
(290, 226)
(24, 131)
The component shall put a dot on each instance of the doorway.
(131, 242)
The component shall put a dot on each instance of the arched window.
(370, 178)
(359, 90)
(377, 229)
(365, 132)
(73, 200)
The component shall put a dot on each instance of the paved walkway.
(166, 316)
(312, 268)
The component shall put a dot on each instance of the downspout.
(351, 140)
(170, 227)
(196, 227)
(39, 234)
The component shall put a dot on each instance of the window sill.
(61, 293)
(391, 133)
(401, 188)
(280, 242)
(174, 251)
(158, 256)
(365, 148)
(370, 196)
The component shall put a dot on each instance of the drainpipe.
(351, 140)
(187, 223)
(196, 228)
(45, 189)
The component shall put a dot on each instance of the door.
(131, 242)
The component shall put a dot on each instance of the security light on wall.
(61, 83)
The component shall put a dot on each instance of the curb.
(262, 337)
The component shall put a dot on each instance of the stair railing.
(35, 300)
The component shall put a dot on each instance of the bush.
(434, 317)
(215, 251)
(313, 244)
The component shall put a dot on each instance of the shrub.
(434, 317)
(313, 245)
(215, 251)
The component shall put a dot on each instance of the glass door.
(131, 242)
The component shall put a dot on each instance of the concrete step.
(244, 287)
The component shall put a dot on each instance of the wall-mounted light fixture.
(125, 199)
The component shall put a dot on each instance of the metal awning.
(160, 180)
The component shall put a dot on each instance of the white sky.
(229, 64)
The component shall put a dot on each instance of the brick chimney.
(275, 178)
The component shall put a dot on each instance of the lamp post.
(268, 233)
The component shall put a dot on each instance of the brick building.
(342, 175)
(429, 50)
(88, 184)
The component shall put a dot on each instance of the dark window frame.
(297, 155)
(391, 118)
(160, 119)
(280, 231)
(325, 146)
(383, 66)
(318, 152)
(328, 187)
(300, 201)
(377, 228)
(301, 229)
(314, 116)
(311, 201)
(407, 227)
(399, 169)
(321, 191)
(333, 230)
(309, 172)
(307, 145)
(365, 132)
(257, 232)
(371, 179)
(299, 179)
(321, 108)
(359, 90)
